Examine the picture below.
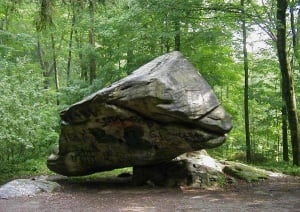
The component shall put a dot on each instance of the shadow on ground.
(119, 194)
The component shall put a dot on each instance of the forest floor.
(117, 194)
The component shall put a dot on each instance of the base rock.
(198, 170)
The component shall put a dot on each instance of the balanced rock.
(162, 110)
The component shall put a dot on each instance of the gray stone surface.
(163, 109)
(198, 170)
(27, 187)
(195, 169)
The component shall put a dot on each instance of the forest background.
(55, 52)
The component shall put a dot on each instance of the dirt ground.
(118, 195)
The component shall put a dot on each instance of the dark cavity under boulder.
(194, 169)
(162, 110)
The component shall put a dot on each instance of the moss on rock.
(244, 172)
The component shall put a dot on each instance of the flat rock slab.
(26, 187)
(160, 111)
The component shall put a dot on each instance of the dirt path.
(114, 195)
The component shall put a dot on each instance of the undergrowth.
(282, 167)
(29, 168)
(34, 167)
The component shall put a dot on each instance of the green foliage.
(28, 168)
(27, 120)
(127, 33)
(281, 167)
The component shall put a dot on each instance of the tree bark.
(284, 130)
(287, 80)
(246, 86)
(46, 73)
(165, 40)
(55, 68)
(177, 40)
(295, 37)
(129, 58)
(70, 46)
(92, 58)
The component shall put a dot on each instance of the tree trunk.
(46, 72)
(246, 86)
(295, 38)
(83, 66)
(287, 80)
(165, 40)
(92, 65)
(6, 19)
(177, 35)
(129, 58)
(284, 128)
(55, 68)
(70, 46)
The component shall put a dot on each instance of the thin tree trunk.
(92, 42)
(55, 68)
(42, 64)
(284, 128)
(129, 59)
(70, 47)
(166, 39)
(78, 37)
(41, 55)
(177, 35)
(167, 45)
(6, 19)
(83, 65)
(287, 80)
(47, 69)
(294, 35)
(246, 86)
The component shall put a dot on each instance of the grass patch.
(105, 174)
(283, 167)
(29, 168)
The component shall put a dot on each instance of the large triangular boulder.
(163, 109)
